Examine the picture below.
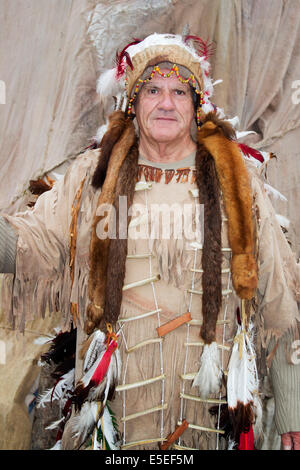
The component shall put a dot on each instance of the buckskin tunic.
(155, 392)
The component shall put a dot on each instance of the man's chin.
(164, 136)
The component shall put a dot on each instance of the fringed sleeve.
(8, 247)
(42, 277)
(279, 274)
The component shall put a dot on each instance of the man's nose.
(166, 103)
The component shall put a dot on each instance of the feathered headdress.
(188, 51)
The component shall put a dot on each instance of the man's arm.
(41, 267)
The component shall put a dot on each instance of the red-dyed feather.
(121, 65)
(103, 365)
(247, 440)
(205, 48)
(251, 152)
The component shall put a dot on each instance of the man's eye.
(180, 92)
(152, 91)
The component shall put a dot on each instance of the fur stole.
(117, 174)
(215, 135)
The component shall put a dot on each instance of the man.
(124, 249)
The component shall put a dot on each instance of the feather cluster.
(123, 59)
(102, 366)
(62, 354)
(61, 391)
(243, 384)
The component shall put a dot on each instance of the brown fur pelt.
(117, 124)
(234, 181)
(223, 126)
(118, 246)
(99, 247)
(209, 195)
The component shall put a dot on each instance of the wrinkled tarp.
(51, 54)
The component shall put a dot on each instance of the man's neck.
(166, 152)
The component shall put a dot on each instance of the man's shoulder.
(83, 163)
(87, 158)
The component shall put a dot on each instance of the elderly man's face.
(164, 109)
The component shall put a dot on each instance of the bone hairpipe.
(143, 282)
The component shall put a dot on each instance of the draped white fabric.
(52, 53)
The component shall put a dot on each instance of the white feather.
(60, 391)
(209, 375)
(96, 346)
(88, 375)
(112, 376)
(44, 398)
(43, 340)
(216, 82)
(242, 374)
(240, 135)
(283, 221)
(108, 429)
(100, 132)
(83, 424)
(107, 83)
(274, 192)
(55, 424)
(234, 121)
(57, 446)
(231, 444)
